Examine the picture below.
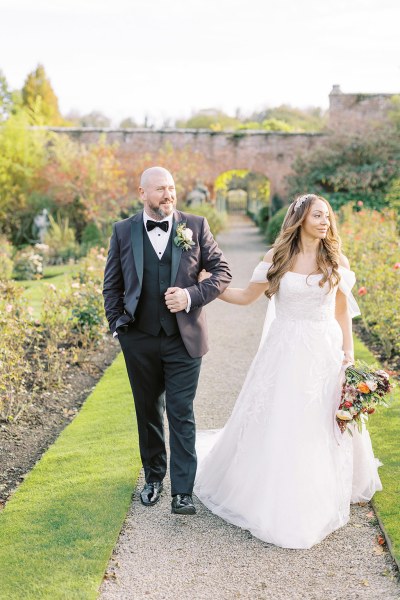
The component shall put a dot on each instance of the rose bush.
(19, 337)
(371, 243)
(35, 355)
(28, 264)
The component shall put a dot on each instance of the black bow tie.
(150, 225)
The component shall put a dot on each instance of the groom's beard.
(164, 210)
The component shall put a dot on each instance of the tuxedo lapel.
(137, 244)
(176, 251)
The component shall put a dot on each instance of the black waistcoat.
(152, 314)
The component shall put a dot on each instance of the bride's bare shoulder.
(344, 261)
(269, 256)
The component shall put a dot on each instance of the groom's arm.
(215, 263)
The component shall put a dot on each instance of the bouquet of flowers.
(364, 388)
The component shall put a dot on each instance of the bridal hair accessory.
(300, 201)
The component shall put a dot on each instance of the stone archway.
(242, 191)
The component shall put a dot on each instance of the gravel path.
(164, 556)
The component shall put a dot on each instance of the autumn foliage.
(90, 177)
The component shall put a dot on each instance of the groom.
(153, 304)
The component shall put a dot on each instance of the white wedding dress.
(280, 467)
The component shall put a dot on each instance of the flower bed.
(34, 355)
(371, 243)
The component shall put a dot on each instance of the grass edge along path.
(384, 427)
(58, 530)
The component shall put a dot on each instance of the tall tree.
(39, 98)
(22, 154)
(95, 119)
(306, 119)
(209, 118)
(128, 123)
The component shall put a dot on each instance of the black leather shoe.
(151, 493)
(182, 504)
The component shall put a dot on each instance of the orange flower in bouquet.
(363, 388)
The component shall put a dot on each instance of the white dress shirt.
(158, 237)
(159, 240)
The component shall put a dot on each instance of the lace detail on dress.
(316, 304)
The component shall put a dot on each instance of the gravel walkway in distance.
(165, 556)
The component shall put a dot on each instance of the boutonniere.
(183, 238)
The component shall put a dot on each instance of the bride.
(281, 467)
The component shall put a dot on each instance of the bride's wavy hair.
(287, 245)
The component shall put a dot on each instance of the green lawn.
(384, 427)
(58, 530)
(35, 289)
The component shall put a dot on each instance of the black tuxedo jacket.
(124, 274)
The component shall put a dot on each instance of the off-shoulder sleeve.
(347, 281)
(260, 272)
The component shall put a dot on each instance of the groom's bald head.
(152, 173)
(157, 191)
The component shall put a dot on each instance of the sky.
(166, 59)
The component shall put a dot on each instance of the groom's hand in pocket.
(176, 299)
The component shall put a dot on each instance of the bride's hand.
(203, 275)
(348, 358)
